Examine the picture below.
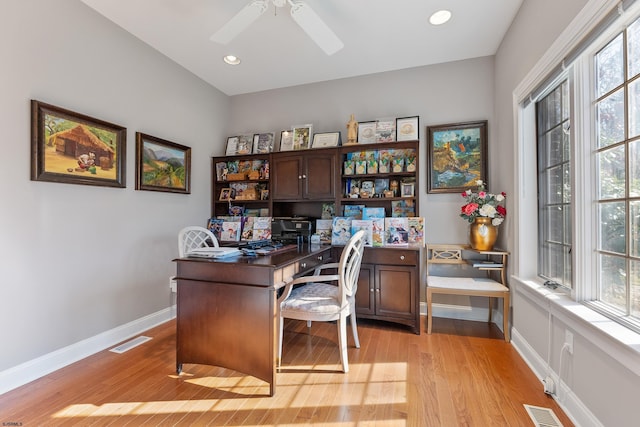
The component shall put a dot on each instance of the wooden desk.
(226, 312)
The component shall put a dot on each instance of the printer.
(291, 229)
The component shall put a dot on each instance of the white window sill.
(619, 342)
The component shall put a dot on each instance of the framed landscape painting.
(162, 165)
(69, 147)
(457, 156)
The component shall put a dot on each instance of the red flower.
(501, 210)
(469, 208)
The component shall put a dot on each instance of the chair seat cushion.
(319, 298)
(466, 283)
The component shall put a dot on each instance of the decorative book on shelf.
(367, 226)
(341, 230)
(396, 231)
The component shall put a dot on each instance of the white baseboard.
(33, 369)
(564, 396)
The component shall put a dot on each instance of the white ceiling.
(378, 35)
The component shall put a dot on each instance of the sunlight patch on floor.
(366, 385)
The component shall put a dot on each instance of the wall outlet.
(549, 385)
(568, 339)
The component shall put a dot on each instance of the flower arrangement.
(483, 204)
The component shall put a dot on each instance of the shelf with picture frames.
(381, 175)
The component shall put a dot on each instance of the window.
(617, 163)
(606, 193)
(554, 186)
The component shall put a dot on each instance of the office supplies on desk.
(221, 252)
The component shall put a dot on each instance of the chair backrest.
(349, 266)
(193, 237)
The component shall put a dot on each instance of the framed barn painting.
(69, 147)
(457, 156)
(162, 165)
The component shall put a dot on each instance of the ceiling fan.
(301, 13)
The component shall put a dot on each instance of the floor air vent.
(130, 344)
(542, 417)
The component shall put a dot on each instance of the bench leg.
(429, 311)
(505, 314)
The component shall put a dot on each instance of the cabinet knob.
(371, 290)
(304, 176)
(378, 290)
(303, 264)
(299, 176)
(319, 257)
(402, 257)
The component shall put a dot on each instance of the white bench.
(493, 262)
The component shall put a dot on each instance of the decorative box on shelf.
(236, 176)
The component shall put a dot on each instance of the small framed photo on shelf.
(226, 194)
(456, 156)
(232, 145)
(263, 142)
(327, 139)
(386, 130)
(245, 144)
(286, 140)
(302, 135)
(264, 195)
(407, 189)
(367, 132)
(407, 128)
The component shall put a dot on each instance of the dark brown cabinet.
(304, 176)
(388, 286)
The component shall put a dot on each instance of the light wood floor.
(464, 374)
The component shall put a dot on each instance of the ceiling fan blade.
(315, 27)
(240, 21)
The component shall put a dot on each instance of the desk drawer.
(302, 266)
(391, 256)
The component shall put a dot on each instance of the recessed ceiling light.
(440, 17)
(231, 60)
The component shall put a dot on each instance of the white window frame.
(621, 342)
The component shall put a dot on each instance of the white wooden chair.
(469, 286)
(194, 237)
(327, 297)
(190, 238)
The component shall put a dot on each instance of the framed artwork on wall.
(69, 147)
(456, 156)
(162, 165)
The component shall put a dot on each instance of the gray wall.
(440, 94)
(79, 261)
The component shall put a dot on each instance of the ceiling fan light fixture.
(440, 17)
(315, 27)
(231, 59)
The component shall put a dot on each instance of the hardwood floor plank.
(462, 374)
